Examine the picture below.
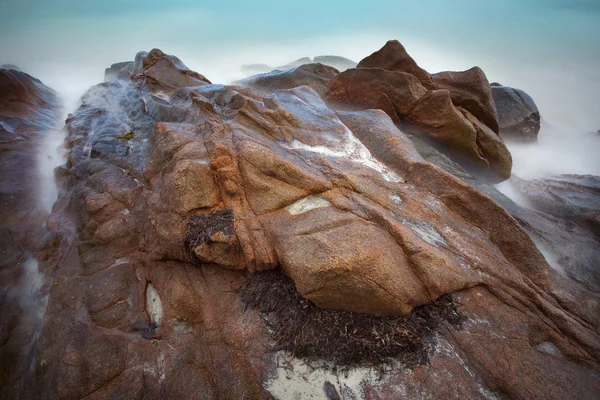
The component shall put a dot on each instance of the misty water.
(549, 48)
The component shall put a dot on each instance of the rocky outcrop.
(518, 115)
(28, 112)
(459, 117)
(471, 90)
(317, 76)
(394, 57)
(175, 194)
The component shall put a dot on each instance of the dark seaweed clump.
(200, 228)
(342, 337)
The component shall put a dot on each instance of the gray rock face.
(518, 115)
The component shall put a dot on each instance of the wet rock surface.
(518, 115)
(178, 192)
(29, 111)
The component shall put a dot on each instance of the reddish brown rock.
(471, 90)
(394, 57)
(362, 88)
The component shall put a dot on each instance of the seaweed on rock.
(342, 337)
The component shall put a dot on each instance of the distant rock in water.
(254, 69)
(337, 62)
(518, 115)
(112, 73)
(10, 66)
(247, 232)
(316, 76)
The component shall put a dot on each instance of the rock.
(394, 57)
(112, 73)
(570, 248)
(362, 88)
(166, 71)
(219, 183)
(337, 62)
(570, 197)
(518, 116)
(29, 111)
(471, 90)
(317, 76)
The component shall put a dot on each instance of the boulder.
(518, 115)
(362, 88)
(471, 90)
(394, 57)
(316, 76)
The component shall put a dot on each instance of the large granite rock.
(471, 90)
(518, 115)
(175, 194)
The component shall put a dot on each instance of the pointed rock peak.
(394, 57)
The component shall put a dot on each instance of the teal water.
(550, 48)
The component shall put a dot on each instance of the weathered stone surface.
(471, 90)
(187, 188)
(316, 76)
(518, 115)
(394, 57)
(365, 88)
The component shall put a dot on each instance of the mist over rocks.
(337, 62)
(29, 111)
(177, 191)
